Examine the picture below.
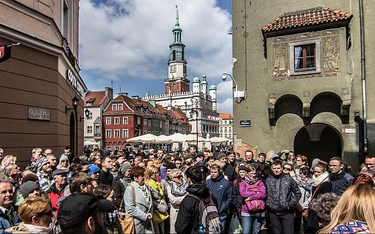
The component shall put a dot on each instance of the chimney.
(124, 94)
(135, 97)
(109, 93)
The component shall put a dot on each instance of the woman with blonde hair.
(354, 212)
(36, 214)
(160, 212)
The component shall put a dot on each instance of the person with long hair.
(138, 201)
(354, 212)
(301, 160)
(320, 185)
(253, 191)
(160, 212)
(176, 190)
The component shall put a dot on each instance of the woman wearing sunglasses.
(36, 214)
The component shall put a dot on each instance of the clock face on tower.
(173, 69)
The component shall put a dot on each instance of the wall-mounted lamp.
(87, 115)
(238, 95)
(75, 101)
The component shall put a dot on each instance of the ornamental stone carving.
(280, 61)
(331, 55)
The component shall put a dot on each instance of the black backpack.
(208, 215)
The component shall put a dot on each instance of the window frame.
(127, 120)
(108, 120)
(114, 107)
(318, 66)
(88, 129)
(122, 107)
(125, 131)
(116, 120)
(110, 133)
(116, 131)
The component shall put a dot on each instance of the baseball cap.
(59, 172)
(78, 207)
(93, 169)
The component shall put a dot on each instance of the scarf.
(250, 181)
(155, 185)
(316, 181)
(179, 189)
(304, 183)
(37, 229)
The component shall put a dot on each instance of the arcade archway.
(318, 140)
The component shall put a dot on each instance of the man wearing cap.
(82, 213)
(94, 172)
(44, 175)
(57, 189)
(122, 181)
(228, 169)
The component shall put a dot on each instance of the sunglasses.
(49, 213)
(287, 168)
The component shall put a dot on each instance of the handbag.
(255, 205)
(305, 213)
(127, 220)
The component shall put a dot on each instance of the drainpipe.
(363, 75)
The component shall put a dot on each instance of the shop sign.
(39, 114)
(74, 82)
(245, 123)
(348, 131)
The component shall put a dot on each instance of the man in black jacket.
(188, 215)
(283, 196)
(106, 176)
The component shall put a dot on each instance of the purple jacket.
(256, 191)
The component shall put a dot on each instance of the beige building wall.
(36, 76)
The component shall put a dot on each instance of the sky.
(127, 42)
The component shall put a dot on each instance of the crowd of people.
(206, 191)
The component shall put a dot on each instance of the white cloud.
(225, 88)
(130, 38)
(225, 106)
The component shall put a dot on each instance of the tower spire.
(177, 18)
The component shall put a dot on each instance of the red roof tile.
(97, 98)
(225, 116)
(314, 16)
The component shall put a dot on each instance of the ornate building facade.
(300, 65)
(200, 104)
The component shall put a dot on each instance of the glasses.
(87, 171)
(64, 160)
(287, 168)
(49, 213)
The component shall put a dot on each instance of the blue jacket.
(6, 223)
(222, 190)
(340, 182)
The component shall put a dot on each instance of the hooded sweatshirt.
(188, 214)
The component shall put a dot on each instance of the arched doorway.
(318, 140)
(72, 133)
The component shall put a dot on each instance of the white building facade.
(200, 104)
